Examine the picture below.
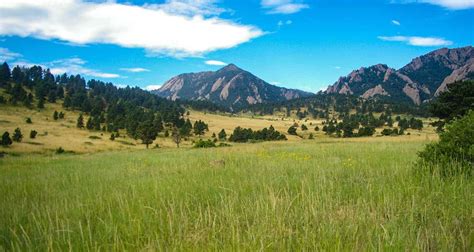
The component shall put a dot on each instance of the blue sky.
(292, 43)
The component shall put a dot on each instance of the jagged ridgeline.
(421, 80)
(113, 108)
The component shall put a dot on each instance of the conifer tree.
(80, 122)
(6, 140)
(17, 136)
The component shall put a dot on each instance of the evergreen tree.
(89, 124)
(147, 132)
(303, 127)
(61, 115)
(222, 135)
(292, 130)
(40, 104)
(17, 136)
(112, 137)
(28, 120)
(200, 127)
(6, 140)
(185, 130)
(80, 122)
(55, 115)
(5, 74)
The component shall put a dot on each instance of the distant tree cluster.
(242, 135)
(324, 106)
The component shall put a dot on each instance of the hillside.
(417, 82)
(230, 86)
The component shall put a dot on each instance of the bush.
(60, 150)
(204, 144)
(33, 134)
(28, 120)
(454, 153)
(6, 140)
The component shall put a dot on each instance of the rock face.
(418, 81)
(230, 86)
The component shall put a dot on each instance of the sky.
(303, 44)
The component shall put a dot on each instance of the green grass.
(332, 195)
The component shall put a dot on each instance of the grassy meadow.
(326, 194)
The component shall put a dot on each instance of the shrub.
(454, 153)
(60, 150)
(28, 120)
(33, 134)
(204, 144)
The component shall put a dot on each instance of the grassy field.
(327, 194)
(63, 133)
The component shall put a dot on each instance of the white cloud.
(189, 7)
(276, 83)
(135, 70)
(337, 67)
(7, 55)
(150, 27)
(396, 22)
(418, 41)
(450, 4)
(215, 63)
(152, 87)
(283, 6)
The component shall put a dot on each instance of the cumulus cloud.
(7, 55)
(135, 70)
(151, 27)
(152, 87)
(396, 22)
(283, 6)
(418, 41)
(189, 7)
(215, 63)
(450, 4)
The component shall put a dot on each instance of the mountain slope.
(420, 80)
(230, 86)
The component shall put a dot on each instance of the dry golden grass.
(63, 133)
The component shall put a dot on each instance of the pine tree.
(112, 137)
(222, 135)
(5, 74)
(40, 104)
(6, 140)
(17, 136)
(55, 115)
(147, 133)
(200, 127)
(89, 124)
(80, 122)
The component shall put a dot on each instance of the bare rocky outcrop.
(377, 90)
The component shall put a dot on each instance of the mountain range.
(419, 81)
(229, 86)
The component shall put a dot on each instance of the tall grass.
(273, 196)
